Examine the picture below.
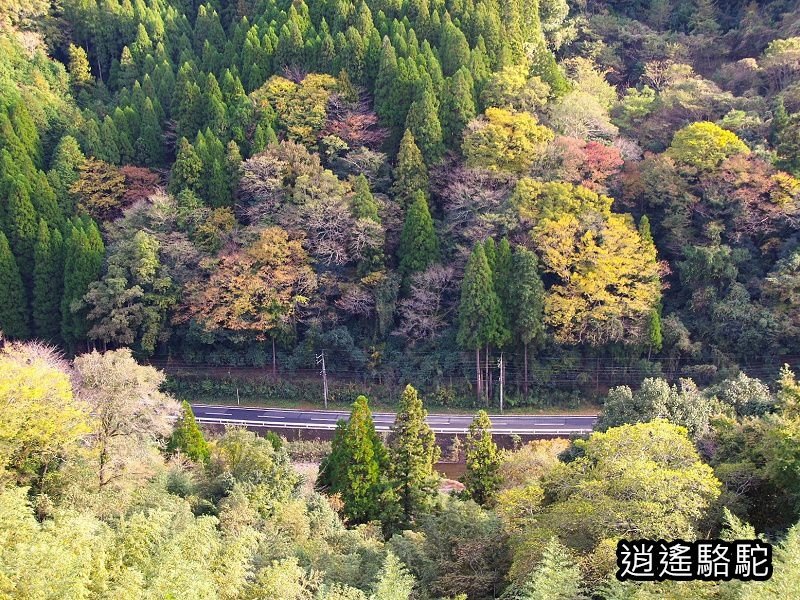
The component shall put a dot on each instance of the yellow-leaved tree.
(607, 274)
(41, 419)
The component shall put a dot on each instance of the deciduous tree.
(504, 140)
(129, 411)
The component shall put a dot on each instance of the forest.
(600, 195)
(600, 191)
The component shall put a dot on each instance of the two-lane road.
(325, 420)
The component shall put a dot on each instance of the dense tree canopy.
(600, 196)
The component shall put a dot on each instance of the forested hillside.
(599, 190)
(603, 193)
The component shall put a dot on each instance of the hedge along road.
(325, 420)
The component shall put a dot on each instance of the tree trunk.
(525, 375)
(488, 379)
(102, 471)
(478, 372)
(274, 363)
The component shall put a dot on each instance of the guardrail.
(386, 428)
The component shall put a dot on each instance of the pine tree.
(558, 576)
(480, 319)
(127, 69)
(543, 63)
(46, 289)
(410, 174)
(458, 107)
(526, 303)
(188, 438)
(423, 122)
(363, 207)
(188, 102)
(482, 477)
(355, 465)
(13, 301)
(419, 247)
(412, 454)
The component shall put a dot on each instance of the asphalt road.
(279, 418)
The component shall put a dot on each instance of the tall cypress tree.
(149, 145)
(83, 261)
(780, 120)
(454, 48)
(480, 319)
(363, 205)
(354, 468)
(187, 169)
(655, 339)
(410, 174)
(13, 301)
(558, 576)
(644, 231)
(419, 247)
(385, 83)
(263, 137)
(64, 171)
(188, 438)
(46, 290)
(490, 249)
(412, 454)
(44, 200)
(482, 477)
(526, 303)
(501, 277)
(215, 178)
(214, 108)
(788, 147)
(21, 226)
(423, 122)
(458, 107)
(110, 135)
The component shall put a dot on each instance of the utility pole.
(324, 373)
(502, 380)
